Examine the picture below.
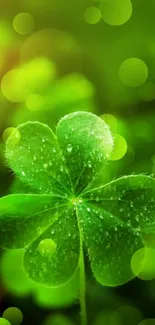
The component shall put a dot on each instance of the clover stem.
(82, 287)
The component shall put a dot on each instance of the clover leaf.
(16, 281)
(64, 212)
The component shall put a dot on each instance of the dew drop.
(47, 247)
(89, 164)
(69, 148)
(131, 204)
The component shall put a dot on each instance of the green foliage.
(16, 281)
(68, 94)
(111, 220)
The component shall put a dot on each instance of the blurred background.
(58, 57)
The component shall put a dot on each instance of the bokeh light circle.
(47, 247)
(15, 135)
(126, 315)
(35, 102)
(133, 72)
(57, 319)
(54, 44)
(15, 86)
(13, 315)
(4, 321)
(39, 72)
(120, 147)
(116, 12)
(143, 263)
(130, 154)
(92, 15)
(14, 277)
(23, 23)
(148, 321)
(111, 121)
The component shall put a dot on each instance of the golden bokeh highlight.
(15, 86)
(116, 12)
(92, 15)
(120, 147)
(143, 263)
(7, 36)
(39, 72)
(35, 75)
(24, 23)
(1, 61)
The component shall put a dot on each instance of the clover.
(69, 210)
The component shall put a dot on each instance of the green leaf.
(55, 268)
(86, 143)
(46, 164)
(18, 187)
(61, 296)
(115, 219)
(23, 217)
(16, 281)
(37, 159)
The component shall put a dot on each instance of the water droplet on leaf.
(47, 247)
(69, 148)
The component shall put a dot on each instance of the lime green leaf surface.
(16, 281)
(23, 217)
(86, 143)
(112, 220)
(61, 296)
(18, 187)
(37, 158)
(56, 268)
(115, 218)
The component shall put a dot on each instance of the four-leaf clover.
(64, 211)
